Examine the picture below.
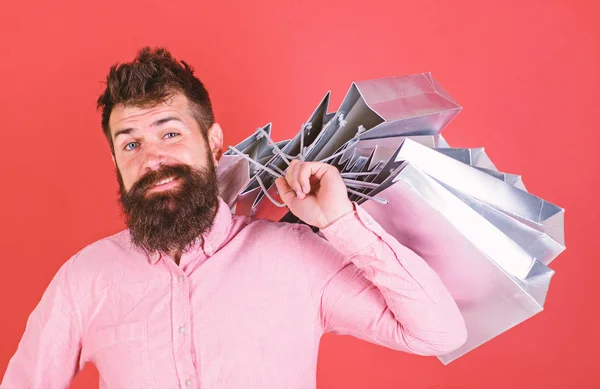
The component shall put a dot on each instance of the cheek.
(192, 156)
(128, 172)
(128, 181)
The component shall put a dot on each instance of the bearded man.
(191, 296)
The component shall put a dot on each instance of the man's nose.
(154, 156)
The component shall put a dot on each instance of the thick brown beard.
(170, 221)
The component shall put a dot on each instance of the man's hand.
(314, 192)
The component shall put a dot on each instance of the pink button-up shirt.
(245, 308)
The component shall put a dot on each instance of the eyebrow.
(159, 122)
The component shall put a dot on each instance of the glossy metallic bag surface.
(487, 237)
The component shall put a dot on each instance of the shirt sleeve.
(381, 291)
(48, 354)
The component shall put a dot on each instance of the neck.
(176, 255)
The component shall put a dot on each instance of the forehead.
(123, 115)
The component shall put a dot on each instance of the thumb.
(286, 192)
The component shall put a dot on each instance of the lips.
(165, 181)
(164, 185)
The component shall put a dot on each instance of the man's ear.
(215, 141)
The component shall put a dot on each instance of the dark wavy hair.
(151, 78)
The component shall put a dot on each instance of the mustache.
(149, 179)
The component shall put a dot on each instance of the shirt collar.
(211, 240)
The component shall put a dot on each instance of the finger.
(305, 171)
(286, 192)
(292, 178)
(319, 169)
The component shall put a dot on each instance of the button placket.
(181, 324)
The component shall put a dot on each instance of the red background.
(526, 73)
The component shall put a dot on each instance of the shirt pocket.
(121, 356)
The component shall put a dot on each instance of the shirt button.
(155, 256)
(198, 240)
(181, 278)
(182, 329)
(188, 383)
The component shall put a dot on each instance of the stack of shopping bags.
(487, 237)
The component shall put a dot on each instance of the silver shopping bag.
(488, 238)
(519, 204)
(475, 157)
(297, 147)
(409, 105)
(535, 222)
(234, 172)
(266, 203)
(412, 105)
(495, 282)
(478, 158)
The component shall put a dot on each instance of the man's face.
(166, 134)
(166, 172)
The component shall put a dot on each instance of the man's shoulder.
(105, 253)
(118, 241)
(103, 263)
(255, 226)
(261, 231)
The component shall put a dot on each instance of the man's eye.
(171, 134)
(131, 146)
